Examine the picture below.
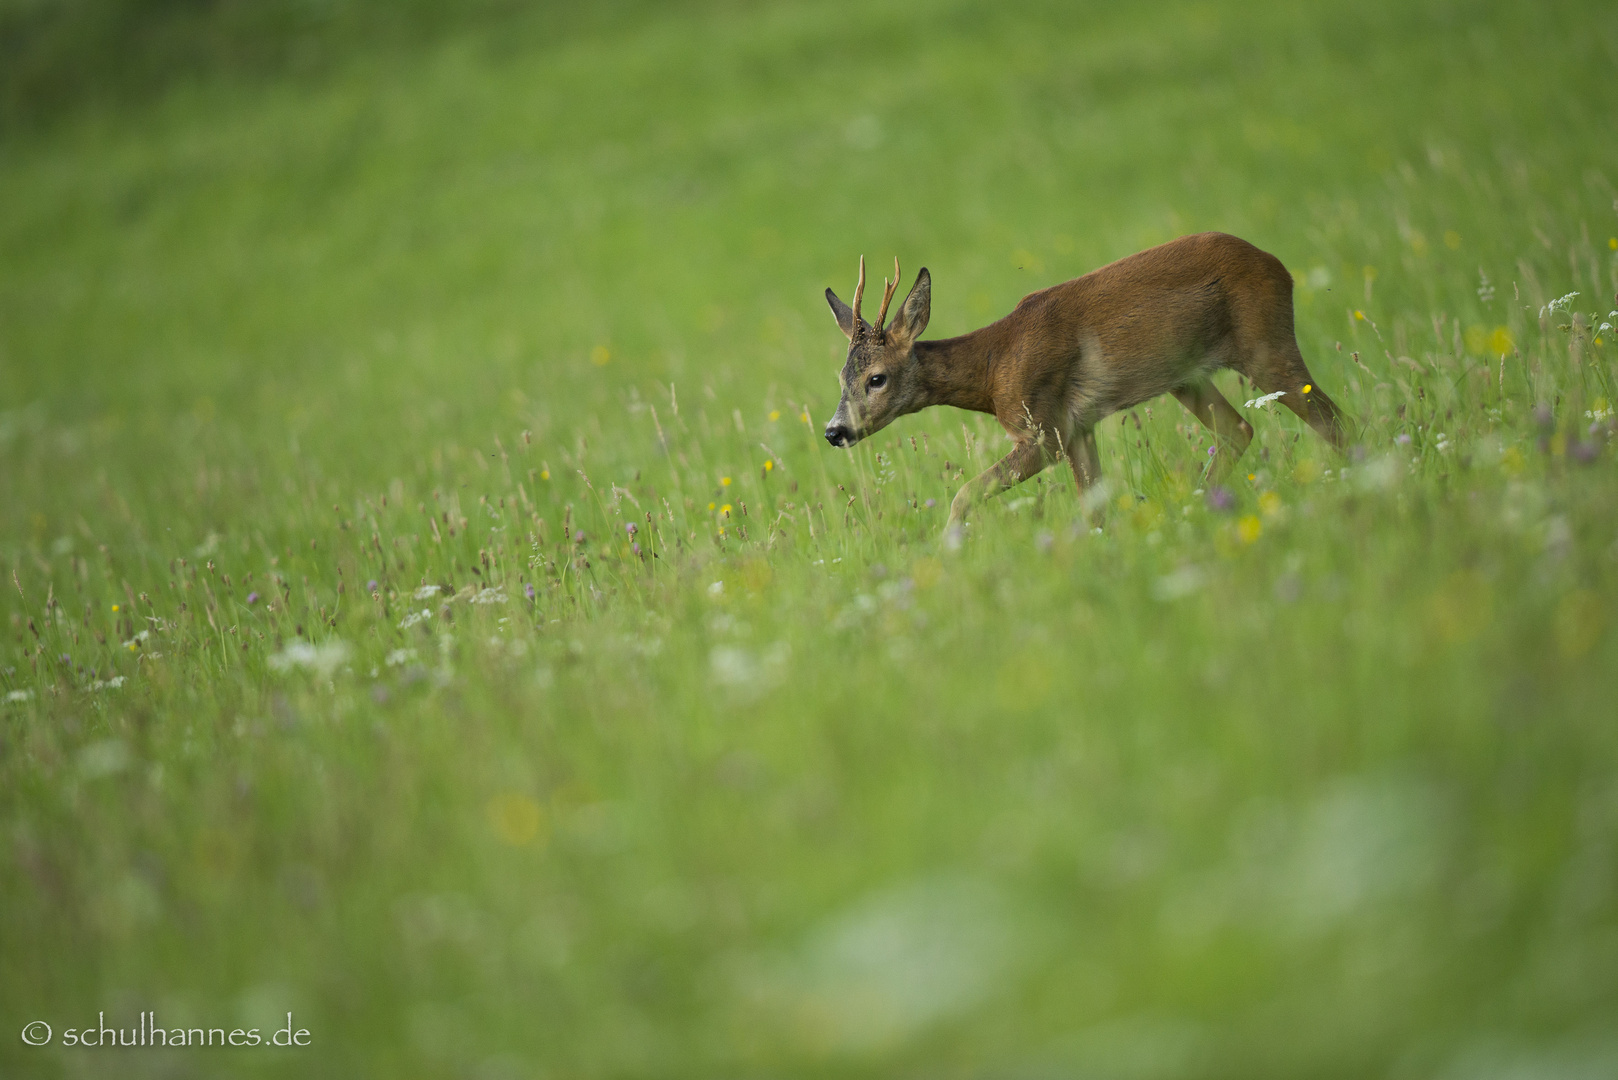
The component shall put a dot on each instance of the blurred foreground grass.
(432, 610)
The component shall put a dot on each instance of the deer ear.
(844, 314)
(918, 307)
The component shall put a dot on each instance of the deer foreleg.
(1231, 433)
(1025, 459)
(1085, 459)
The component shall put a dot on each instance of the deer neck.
(956, 370)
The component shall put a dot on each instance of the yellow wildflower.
(1307, 387)
(769, 466)
(724, 481)
(725, 510)
(115, 607)
(514, 818)
(1358, 314)
(1249, 528)
(775, 414)
(600, 355)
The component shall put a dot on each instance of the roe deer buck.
(1160, 321)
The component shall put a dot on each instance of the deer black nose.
(837, 434)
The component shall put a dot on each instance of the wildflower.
(1307, 387)
(716, 589)
(930, 503)
(17, 696)
(1583, 452)
(370, 586)
(630, 528)
(1221, 499)
(425, 591)
(493, 595)
(1599, 411)
(1249, 528)
(321, 659)
(528, 590)
(414, 618)
(1269, 504)
(115, 607)
(724, 481)
(544, 474)
(769, 466)
(600, 355)
(1612, 243)
(1403, 438)
(1251, 477)
(578, 536)
(775, 414)
(635, 548)
(515, 818)
(1264, 402)
(1358, 314)
(1561, 303)
(725, 510)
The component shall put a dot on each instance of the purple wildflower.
(578, 536)
(370, 586)
(930, 503)
(1221, 499)
(630, 528)
(1583, 452)
(252, 598)
(1542, 416)
(528, 590)
(635, 548)
(1403, 438)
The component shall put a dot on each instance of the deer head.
(882, 379)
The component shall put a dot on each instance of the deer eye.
(876, 382)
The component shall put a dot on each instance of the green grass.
(1323, 785)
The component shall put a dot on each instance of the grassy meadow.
(430, 607)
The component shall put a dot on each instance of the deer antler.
(859, 293)
(887, 295)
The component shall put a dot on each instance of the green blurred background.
(1321, 786)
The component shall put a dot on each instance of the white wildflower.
(495, 595)
(716, 589)
(1183, 582)
(415, 617)
(1264, 402)
(108, 684)
(321, 659)
(400, 656)
(425, 591)
(18, 696)
(1561, 303)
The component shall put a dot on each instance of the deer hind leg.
(1026, 458)
(1283, 369)
(1231, 433)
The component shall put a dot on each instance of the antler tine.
(859, 293)
(887, 294)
